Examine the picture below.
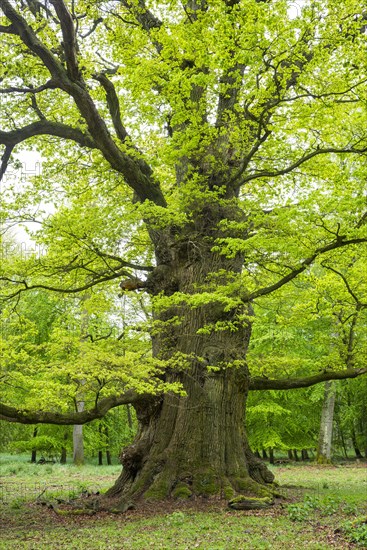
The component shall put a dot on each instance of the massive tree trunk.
(195, 444)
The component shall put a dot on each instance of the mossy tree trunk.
(193, 445)
(196, 444)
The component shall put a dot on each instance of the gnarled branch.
(24, 416)
(113, 105)
(137, 172)
(69, 38)
(49, 85)
(30, 39)
(46, 127)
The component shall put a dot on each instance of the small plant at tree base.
(350, 509)
(176, 518)
(356, 531)
(329, 506)
(302, 510)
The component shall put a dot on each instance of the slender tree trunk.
(354, 443)
(271, 455)
(304, 455)
(34, 451)
(340, 434)
(345, 450)
(78, 442)
(100, 452)
(108, 452)
(363, 425)
(290, 454)
(295, 454)
(63, 450)
(326, 425)
(63, 456)
(129, 417)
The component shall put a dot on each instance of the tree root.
(249, 503)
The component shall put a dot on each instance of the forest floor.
(325, 507)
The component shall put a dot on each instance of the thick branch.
(137, 172)
(121, 261)
(258, 383)
(69, 38)
(28, 36)
(145, 19)
(5, 159)
(41, 127)
(230, 85)
(7, 29)
(46, 127)
(143, 15)
(113, 105)
(23, 416)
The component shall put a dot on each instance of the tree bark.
(326, 425)
(78, 444)
(195, 444)
(192, 445)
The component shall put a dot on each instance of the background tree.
(317, 322)
(196, 159)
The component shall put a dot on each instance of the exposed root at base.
(247, 503)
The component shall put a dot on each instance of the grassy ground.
(321, 512)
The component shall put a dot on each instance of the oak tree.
(206, 153)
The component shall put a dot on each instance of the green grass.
(321, 500)
(22, 480)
